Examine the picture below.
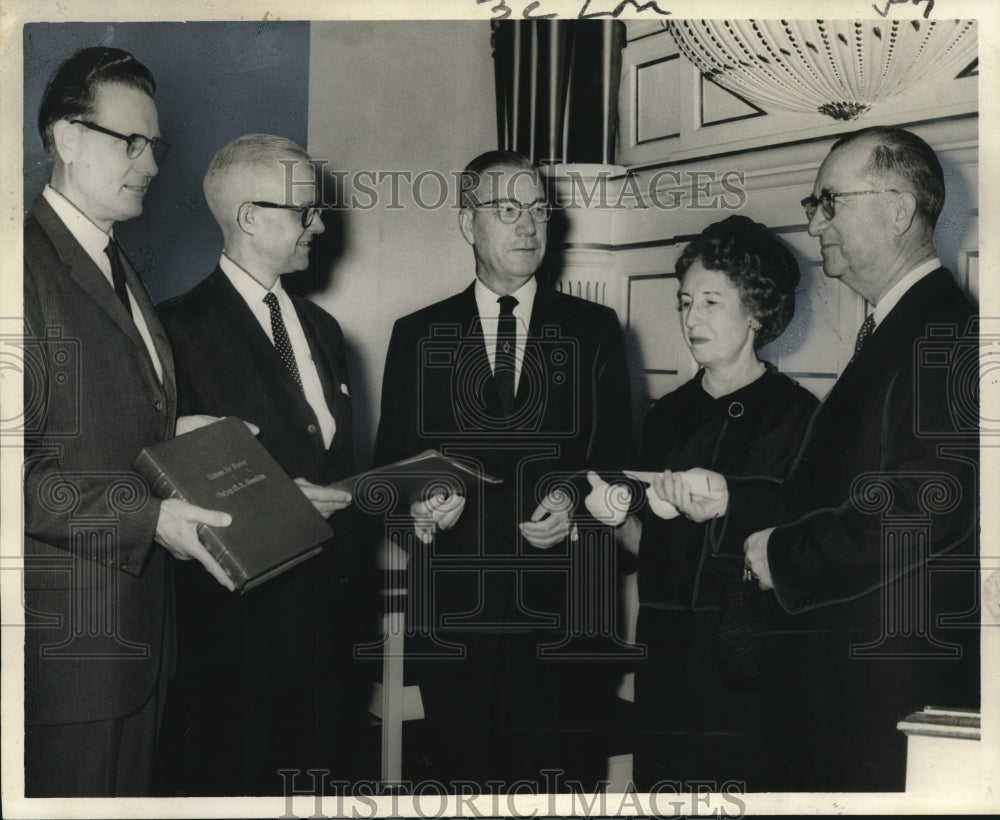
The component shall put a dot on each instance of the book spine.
(162, 485)
(217, 549)
(146, 466)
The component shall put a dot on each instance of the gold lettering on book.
(240, 485)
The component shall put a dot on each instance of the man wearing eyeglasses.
(266, 681)
(864, 543)
(99, 386)
(531, 385)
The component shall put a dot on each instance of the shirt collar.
(487, 305)
(896, 292)
(91, 238)
(252, 291)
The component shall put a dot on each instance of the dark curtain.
(557, 88)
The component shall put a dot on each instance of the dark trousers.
(504, 714)
(103, 758)
(238, 744)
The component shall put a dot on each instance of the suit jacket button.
(158, 404)
(311, 428)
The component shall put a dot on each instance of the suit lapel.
(245, 326)
(541, 315)
(477, 360)
(82, 270)
(892, 340)
(156, 332)
(905, 323)
(325, 362)
(237, 313)
(470, 320)
(541, 311)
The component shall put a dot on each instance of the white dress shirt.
(489, 315)
(253, 293)
(93, 240)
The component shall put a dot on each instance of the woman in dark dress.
(701, 621)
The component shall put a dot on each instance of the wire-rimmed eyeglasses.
(509, 210)
(307, 213)
(135, 144)
(827, 201)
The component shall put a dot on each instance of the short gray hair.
(247, 154)
(900, 154)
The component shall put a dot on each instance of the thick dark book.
(418, 478)
(222, 466)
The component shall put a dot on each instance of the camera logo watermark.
(49, 365)
(925, 518)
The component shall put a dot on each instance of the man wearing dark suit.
(99, 386)
(266, 681)
(883, 493)
(531, 389)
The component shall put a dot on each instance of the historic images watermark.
(313, 793)
(666, 189)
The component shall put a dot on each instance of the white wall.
(395, 96)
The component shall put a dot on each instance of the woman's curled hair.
(759, 264)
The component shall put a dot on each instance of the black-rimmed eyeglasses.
(135, 144)
(509, 210)
(828, 201)
(307, 213)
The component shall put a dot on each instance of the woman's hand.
(697, 493)
(607, 503)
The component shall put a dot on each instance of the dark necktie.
(503, 372)
(281, 342)
(118, 273)
(863, 333)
